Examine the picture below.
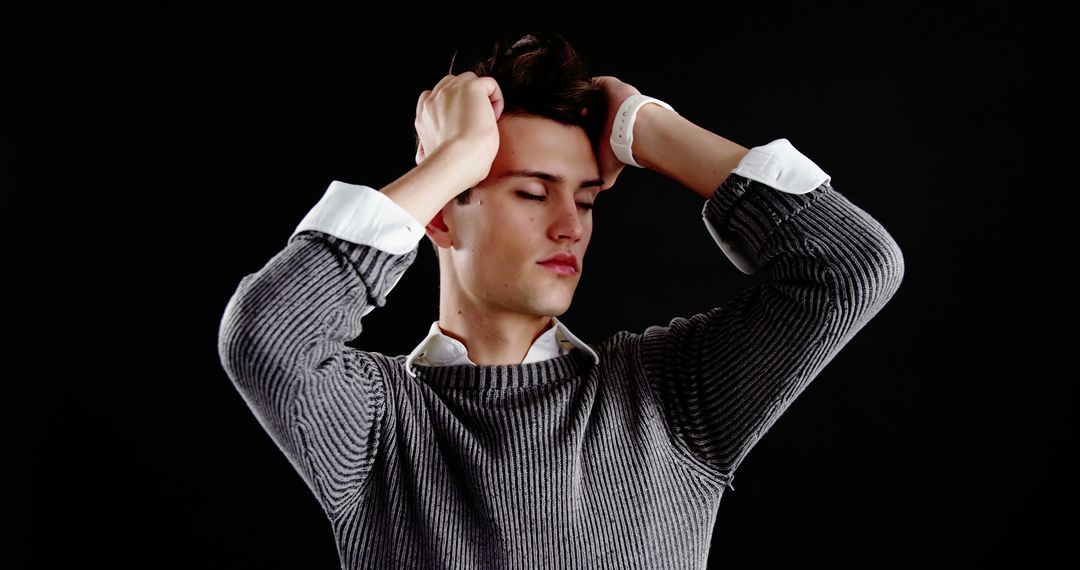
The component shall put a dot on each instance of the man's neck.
(492, 340)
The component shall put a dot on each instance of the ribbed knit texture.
(560, 463)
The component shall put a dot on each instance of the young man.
(502, 440)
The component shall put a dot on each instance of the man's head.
(493, 235)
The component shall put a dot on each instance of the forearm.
(670, 144)
(426, 188)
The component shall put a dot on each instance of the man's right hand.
(463, 110)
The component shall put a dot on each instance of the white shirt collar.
(438, 349)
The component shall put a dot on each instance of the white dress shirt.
(362, 214)
(438, 349)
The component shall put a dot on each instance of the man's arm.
(723, 377)
(670, 144)
(282, 337)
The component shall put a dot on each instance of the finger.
(494, 93)
(420, 102)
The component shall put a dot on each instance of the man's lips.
(562, 258)
(563, 263)
(561, 268)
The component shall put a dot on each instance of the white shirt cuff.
(361, 214)
(780, 165)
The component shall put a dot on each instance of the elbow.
(884, 268)
(242, 342)
(891, 269)
(234, 340)
(872, 277)
(857, 291)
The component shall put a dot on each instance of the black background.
(152, 158)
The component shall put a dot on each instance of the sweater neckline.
(506, 376)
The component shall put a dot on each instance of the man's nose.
(568, 221)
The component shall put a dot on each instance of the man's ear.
(438, 231)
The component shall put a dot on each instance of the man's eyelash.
(528, 196)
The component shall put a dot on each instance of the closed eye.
(528, 196)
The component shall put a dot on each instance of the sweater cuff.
(363, 215)
(380, 270)
(772, 183)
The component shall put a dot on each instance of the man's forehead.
(551, 177)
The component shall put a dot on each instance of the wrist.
(625, 125)
(649, 133)
(457, 163)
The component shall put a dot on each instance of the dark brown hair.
(542, 74)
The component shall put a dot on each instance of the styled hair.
(541, 74)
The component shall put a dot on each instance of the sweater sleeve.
(723, 377)
(282, 342)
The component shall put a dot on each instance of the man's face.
(501, 235)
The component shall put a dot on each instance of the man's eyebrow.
(553, 178)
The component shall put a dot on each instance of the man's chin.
(554, 309)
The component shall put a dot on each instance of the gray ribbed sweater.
(560, 463)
